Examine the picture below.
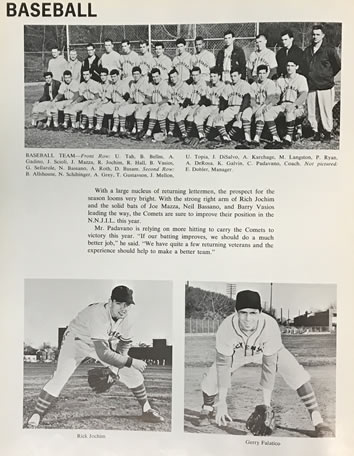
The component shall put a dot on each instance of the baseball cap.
(248, 299)
(122, 294)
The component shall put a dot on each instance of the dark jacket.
(321, 67)
(294, 54)
(55, 89)
(95, 69)
(237, 58)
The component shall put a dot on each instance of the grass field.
(79, 408)
(49, 139)
(317, 353)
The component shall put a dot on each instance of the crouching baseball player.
(250, 336)
(102, 331)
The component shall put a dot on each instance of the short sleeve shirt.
(204, 60)
(140, 90)
(68, 90)
(159, 91)
(234, 93)
(164, 64)
(261, 92)
(183, 64)
(290, 88)
(265, 57)
(89, 89)
(178, 93)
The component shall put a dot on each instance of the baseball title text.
(49, 9)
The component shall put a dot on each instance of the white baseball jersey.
(147, 63)
(263, 91)
(234, 93)
(89, 89)
(118, 90)
(105, 90)
(111, 60)
(183, 64)
(75, 68)
(232, 341)
(95, 323)
(204, 60)
(159, 91)
(128, 62)
(178, 92)
(164, 64)
(265, 57)
(139, 90)
(197, 91)
(68, 90)
(290, 88)
(214, 92)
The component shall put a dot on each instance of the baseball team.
(194, 98)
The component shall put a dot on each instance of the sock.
(200, 131)
(162, 123)
(139, 124)
(208, 401)
(273, 129)
(83, 121)
(99, 121)
(141, 396)
(115, 123)
(207, 130)
(189, 128)
(151, 124)
(122, 123)
(44, 401)
(290, 129)
(171, 126)
(259, 128)
(307, 395)
(73, 120)
(233, 131)
(90, 121)
(247, 129)
(55, 118)
(182, 127)
(222, 131)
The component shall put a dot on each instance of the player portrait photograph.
(97, 355)
(256, 85)
(260, 359)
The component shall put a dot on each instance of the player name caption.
(228, 162)
(89, 435)
(262, 442)
(152, 221)
(112, 165)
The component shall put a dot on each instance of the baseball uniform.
(111, 61)
(75, 67)
(204, 60)
(117, 93)
(209, 113)
(197, 90)
(164, 64)
(177, 94)
(147, 63)
(264, 57)
(139, 91)
(234, 95)
(158, 108)
(183, 64)
(67, 91)
(90, 90)
(263, 94)
(127, 62)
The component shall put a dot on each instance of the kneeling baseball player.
(101, 331)
(250, 336)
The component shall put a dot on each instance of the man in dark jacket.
(289, 52)
(230, 57)
(321, 64)
(91, 63)
(41, 108)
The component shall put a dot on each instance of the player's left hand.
(222, 414)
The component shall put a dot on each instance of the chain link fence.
(201, 326)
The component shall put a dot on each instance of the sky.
(50, 304)
(295, 298)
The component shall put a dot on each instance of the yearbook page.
(177, 228)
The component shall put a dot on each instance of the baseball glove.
(194, 142)
(261, 421)
(100, 379)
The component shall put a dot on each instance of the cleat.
(123, 134)
(112, 133)
(226, 139)
(203, 140)
(34, 421)
(187, 140)
(327, 137)
(287, 143)
(316, 137)
(322, 430)
(205, 417)
(152, 416)
(96, 131)
(274, 145)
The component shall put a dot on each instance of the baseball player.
(178, 92)
(139, 94)
(103, 100)
(162, 61)
(230, 56)
(89, 92)
(74, 66)
(264, 94)
(234, 106)
(208, 112)
(117, 95)
(158, 109)
(41, 108)
(128, 60)
(91, 63)
(147, 61)
(250, 336)
(203, 58)
(293, 95)
(57, 64)
(102, 331)
(194, 99)
(183, 62)
(68, 92)
(110, 59)
(261, 56)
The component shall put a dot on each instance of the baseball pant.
(319, 108)
(77, 107)
(229, 115)
(186, 113)
(59, 106)
(155, 111)
(129, 109)
(206, 113)
(41, 110)
(73, 351)
(173, 112)
(288, 367)
(273, 112)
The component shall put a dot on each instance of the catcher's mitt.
(100, 379)
(261, 421)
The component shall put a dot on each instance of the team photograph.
(260, 359)
(204, 86)
(100, 359)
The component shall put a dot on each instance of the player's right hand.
(139, 365)
(222, 414)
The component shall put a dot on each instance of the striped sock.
(222, 131)
(233, 132)
(73, 120)
(162, 123)
(141, 396)
(66, 118)
(207, 130)
(122, 123)
(200, 131)
(246, 128)
(272, 128)
(139, 124)
(151, 124)
(44, 401)
(259, 128)
(171, 126)
(290, 128)
(307, 395)
(189, 128)
(90, 121)
(83, 121)
(208, 400)
(55, 118)
(115, 122)
(182, 127)
(99, 121)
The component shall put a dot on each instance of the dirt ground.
(316, 353)
(79, 408)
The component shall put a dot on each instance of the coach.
(230, 56)
(321, 64)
